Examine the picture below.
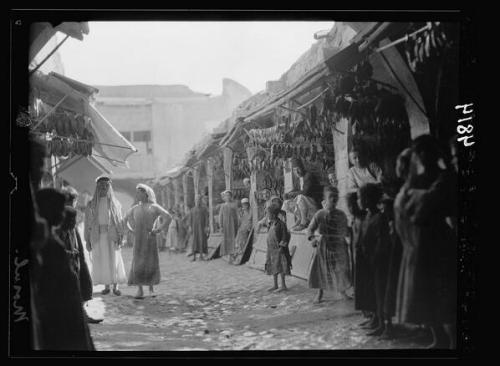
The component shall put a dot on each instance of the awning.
(52, 88)
(111, 144)
(42, 32)
(81, 172)
(175, 172)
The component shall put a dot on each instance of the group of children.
(403, 261)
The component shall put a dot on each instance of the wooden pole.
(210, 176)
(228, 167)
(185, 189)
(177, 191)
(288, 182)
(253, 197)
(196, 181)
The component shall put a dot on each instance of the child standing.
(375, 243)
(330, 267)
(278, 261)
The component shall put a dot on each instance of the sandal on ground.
(105, 291)
(117, 292)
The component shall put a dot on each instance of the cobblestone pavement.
(217, 306)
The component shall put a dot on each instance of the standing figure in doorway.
(245, 226)
(145, 269)
(228, 219)
(198, 225)
(103, 234)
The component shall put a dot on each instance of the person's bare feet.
(318, 298)
(376, 332)
(139, 294)
(282, 289)
(274, 288)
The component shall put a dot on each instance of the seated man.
(307, 200)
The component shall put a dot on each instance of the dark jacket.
(312, 188)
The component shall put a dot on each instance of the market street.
(216, 306)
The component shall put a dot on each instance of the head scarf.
(149, 192)
(113, 205)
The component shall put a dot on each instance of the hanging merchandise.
(427, 42)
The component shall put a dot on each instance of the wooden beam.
(253, 197)
(228, 167)
(210, 176)
(196, 181)
(185, 189)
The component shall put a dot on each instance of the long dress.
(427, 280)
(182, 234)
(364, 287)
(199, 222)
(172, 239)
(228, 218)
(107, 261)
(330, 266)
(278, 260)
(243, 232)
(74, 247)
(145, 268)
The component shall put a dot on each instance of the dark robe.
(427, 282)
(365, 292)
(311, 188)
(199, 218)
(74, 247)
(228, 218)
(278, 258)
(243, 231)
(60, 321)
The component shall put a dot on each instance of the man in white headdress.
(145, 269)
(103, 233)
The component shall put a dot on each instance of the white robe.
(107, 261)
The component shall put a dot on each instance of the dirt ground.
(217, 306)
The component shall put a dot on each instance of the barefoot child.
(330, 267)
(278, 261)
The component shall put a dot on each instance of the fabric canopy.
(81, 172)
(52, 88)
(112, 144)
(42, 32)
(340, 60)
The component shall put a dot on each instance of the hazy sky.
(196, 54)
